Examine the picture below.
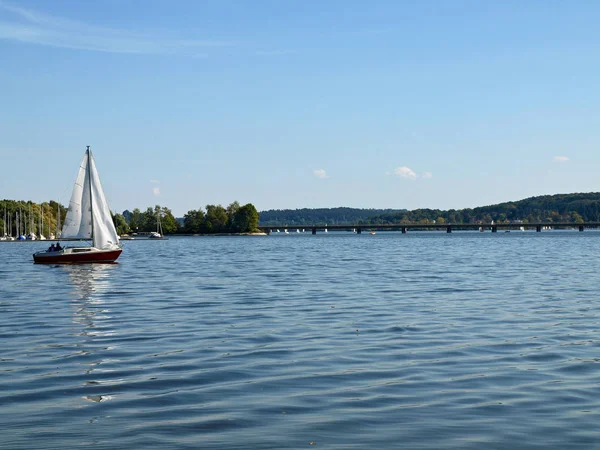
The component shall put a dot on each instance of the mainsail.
(104, 233)
(88, 216)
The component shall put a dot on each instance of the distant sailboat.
(10, 236)
(4, 236)
(31, 235)
(88, 217)
(20, 234)
(41, 230)
(158, 234)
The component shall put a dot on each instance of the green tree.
(193, 221)
(232, 210)
(135, 222)
(120, 224)
(246, 218)
(216, 219)
(168, 221)
(148, 220)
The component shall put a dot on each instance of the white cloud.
(156, 191)
(320, 173)
(405, 172)
(427, 175)
(30, 26)
(560, 159)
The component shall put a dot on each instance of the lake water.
(341, 341)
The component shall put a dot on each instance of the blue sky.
(291, 104)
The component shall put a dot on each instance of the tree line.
(320, 216)
(31, 217)
(215, 219)
(578, 208)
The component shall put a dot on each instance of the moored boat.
(88, 218)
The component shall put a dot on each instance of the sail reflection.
(92, 315)
(90, 282)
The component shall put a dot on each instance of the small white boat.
(41, 224)
(158, 234)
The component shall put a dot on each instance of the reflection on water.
(92, 313)
(89, 283)
(89, 279)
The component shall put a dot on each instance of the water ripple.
(423, 341)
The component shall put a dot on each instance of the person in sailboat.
(52, 248)
(58, 247)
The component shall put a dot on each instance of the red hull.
(107, 256)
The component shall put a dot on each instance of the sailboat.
(9, 237)
(4, 235)
(158, 234)
(20, 233)
(31, 235)
(88, 217)
(41, 224)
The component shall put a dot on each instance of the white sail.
(78, 223)
(88, 216)
(104, 233)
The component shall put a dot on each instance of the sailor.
(52, 248)
(58, 247)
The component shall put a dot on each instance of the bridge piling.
(538, 228)
(580, 227)
(449, 229)
(314, 230)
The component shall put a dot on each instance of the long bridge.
(449, 227)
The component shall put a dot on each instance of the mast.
(89, 163)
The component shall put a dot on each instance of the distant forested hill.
(583, 207)
(319, 216)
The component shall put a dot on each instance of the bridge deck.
(445, 226)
